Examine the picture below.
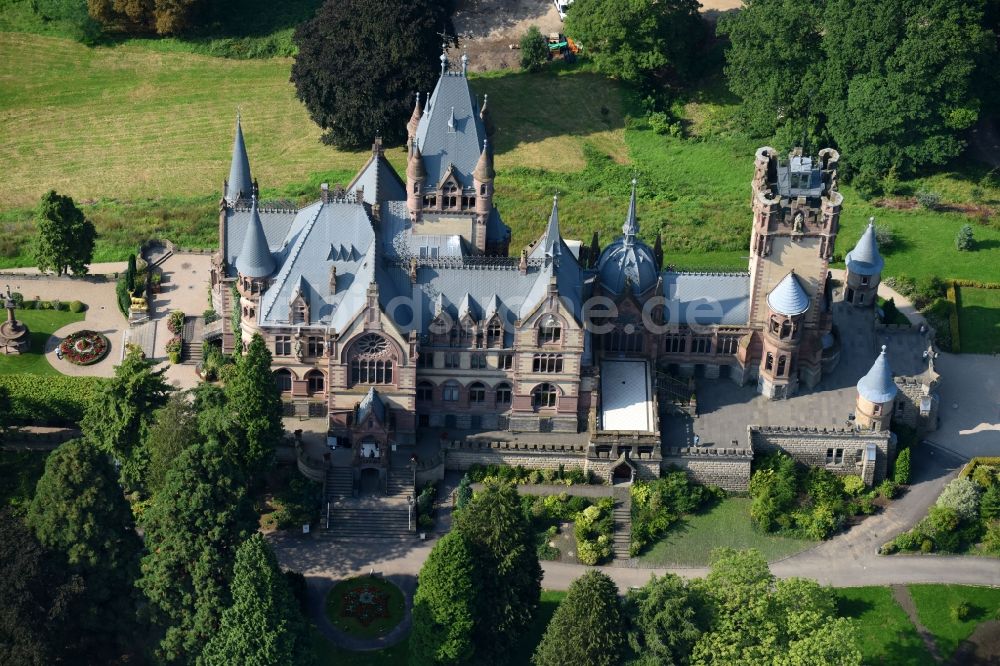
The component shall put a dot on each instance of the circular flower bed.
(365, 607)
(84, 347)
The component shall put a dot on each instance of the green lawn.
(42, 324)
(979, 319)
(725, 525)
(885, 633)
(935, 604)
(19, 472)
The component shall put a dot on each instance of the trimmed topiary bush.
(76, 306)
(901, 472)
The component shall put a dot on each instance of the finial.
(465, 63)
(871, 221)
(555, 198)
(883, 349)
(635, 182)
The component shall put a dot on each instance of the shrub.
(56, 304)
(75, 306)
(887, 489)
(49, 400)
(984, 475)
(929, 200)
(821, 523)
(534, 49)
(991, 540)
(18, 299)
(961, 611)
(175, 322)
(962, 496)
(299, 501)
(594, 530)
(901, 471)
(942, 526)
(773, 490)
(989, 503)
(866, 505)
(174, 348)
(964, 241)
(210, 316)
(425, 521)
(867, 184)
(853, 484)
(926, 546)
(464, 493)
(657, 504)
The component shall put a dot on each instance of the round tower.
(864, 269)
(787, 305)
(254, 266)
(876, 396)
(416, 175)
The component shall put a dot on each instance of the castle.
(392, 306)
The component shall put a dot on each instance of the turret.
(239, 185)
(487, 117)
(787, 305)
(876, 395)
(254, 266)
(411, 127)
(416, 176)
(864, 269)
(482, 181)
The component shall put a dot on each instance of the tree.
(444, 605)
(965, 241)
(901, 470)
(79, 511)
(989, 505)
(664, 621)
(118, 418)
(757, 620)
(773, 66)
(264, 624)
(164, 17)
(38, 598)
(773, 490)
(586, 627)
(193, 527)
(506, 561)
(961, 495)
(354, 98)
(174, 428)
(65, 240)
(635, 39)
(534, 50)
(254, 402)
(898, 80)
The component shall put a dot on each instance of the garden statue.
(15, 338)
(299, 350)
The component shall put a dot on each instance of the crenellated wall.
(728, 468)
(819, 447)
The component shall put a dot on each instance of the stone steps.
(622, 516)
(339, 483)
(357, 519)
(399, 484)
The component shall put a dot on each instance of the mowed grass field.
(142, 137)
(979, 320)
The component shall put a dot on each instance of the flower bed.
(84, 347)
(366, 606)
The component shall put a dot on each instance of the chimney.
(523, 264)
(324, 192)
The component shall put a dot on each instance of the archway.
(622, 473)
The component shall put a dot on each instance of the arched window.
(781, 365)
(450, 392)
(316, 382)
(371, 360)
(544, 396)
(477, 393)
(494, 334)
(786, 329)
(549, 332)
(425, 391)
(503, 395)
(283, 379)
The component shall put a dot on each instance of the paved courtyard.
(185, 288)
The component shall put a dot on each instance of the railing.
(311, 468)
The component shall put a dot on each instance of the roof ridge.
(286, 268)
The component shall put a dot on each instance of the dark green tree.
(263, 625)
(965, 241)
(79, 511)
(174, 428)
(254, 402)
(130, 273)
(65, 240)
(38, 598)
(118, 419)
(193, 527)
(503, 550)
(534, 50)
(586, 627)
(775, 65)
(898, 81)
(163, 17)
(665, 621)
(444, 605)
(634, 39)
(354, 98)
(5, 420)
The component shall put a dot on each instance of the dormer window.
(494, 334)
(300, 311)
(550, 331)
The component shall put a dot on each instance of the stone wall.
(461, 455)
(728, 468)
(818, 447)
(646, 467)
(907, 409)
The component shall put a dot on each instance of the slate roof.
(379, 180)
(628, 259)
(877, 385)
(371, 404)
(450, 131)
(254, 259)
(865, 259)
(707, 298)
(239, 185)
(788, 297)
(276, 224)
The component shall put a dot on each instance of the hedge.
(970, 467)
(977, 284)
(49, 399)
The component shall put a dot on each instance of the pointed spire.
(255, 259)
(415, 165)
(865, 259)
(484, 171)
(552, 243)
(631, 227)
(877, 386)
(239, 183)
(411, 127)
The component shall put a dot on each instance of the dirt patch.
(982, 648)
(488, 28)
(902, 596)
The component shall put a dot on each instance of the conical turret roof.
(484, 171)
(877, 386)
(865, 259)
(631, 227)
(239, 184)
(552, 243)
(788, 298)
(411, 127)
(415, 164)
(255, 259)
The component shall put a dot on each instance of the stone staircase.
(623, 521)
(339, 483)
(192, 354)
(399, 484)
(374, 517)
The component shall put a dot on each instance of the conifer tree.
(174, 428)
(263, 625)
(586, 627)
(444, 605)
(254, 401)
